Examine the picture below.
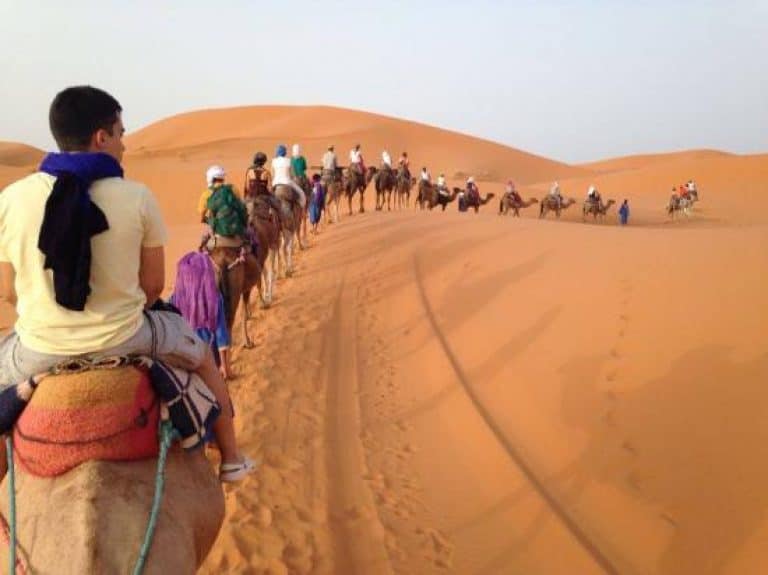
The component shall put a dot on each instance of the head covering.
(357, 146)
(471, 180)
(316, 177)
(195, 292)
(214, 173)
(330, 147)
(296, 150)
(511, 183)
(281, 151)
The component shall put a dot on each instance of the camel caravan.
(109, 395)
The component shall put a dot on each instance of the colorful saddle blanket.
(107, 414)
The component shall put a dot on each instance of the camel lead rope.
(167, 435)
(12, 506)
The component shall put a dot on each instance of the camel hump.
(86, 450)
(93, 518)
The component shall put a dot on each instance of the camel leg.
(267, 273)
(362, 201)
(247, 343)
(288, 247)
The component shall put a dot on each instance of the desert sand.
(459, 393)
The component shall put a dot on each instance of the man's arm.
(7, 280)
(152, 272)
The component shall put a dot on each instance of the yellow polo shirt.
(113, 310)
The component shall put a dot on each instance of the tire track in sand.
(559, 511)
(357, 532)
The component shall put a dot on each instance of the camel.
(509, 202)
(681, 204)
(92, 518)
(236, 275)
(385, 181)
(356, 182)
(472, 202)
(264, 223)
(290, 215)
(596, 208)
(549, 203)
(333, 189)
(442, 200)
(424, 194)
(403, 186)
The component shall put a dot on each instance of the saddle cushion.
(102, 414)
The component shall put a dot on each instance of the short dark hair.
(79, 112)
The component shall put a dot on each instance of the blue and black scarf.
(71, 219)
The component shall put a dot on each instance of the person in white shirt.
(592, 194)
(282, 174)
(329, 162)
(425, 177)
(442, 188)
(356, 159)
(554, 192)
(691, 188)
(386, 159)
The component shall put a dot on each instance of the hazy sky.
(572, 80)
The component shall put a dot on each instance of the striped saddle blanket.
(106, 414)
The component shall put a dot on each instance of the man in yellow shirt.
(214, 175)
(81, 256)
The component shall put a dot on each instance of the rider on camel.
(473, 192)
(691, 187)
(299, 167)
(425, 177)
(593, 196)
(554, 193)
(386, 161)
(356, 162)
(442, 187)
(214, 174)
(512, 192)
(282, 174)
(330, 165)
(403, 165)
(93, 298)
(259, 181)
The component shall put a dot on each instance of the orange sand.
(469, 393)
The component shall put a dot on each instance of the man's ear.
(98, 139)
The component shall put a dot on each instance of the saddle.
(287, 194)
(102, 414)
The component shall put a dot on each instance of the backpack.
(227, 213)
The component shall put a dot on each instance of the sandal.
(232, 472)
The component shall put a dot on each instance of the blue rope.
(12, 511)
(167, 435)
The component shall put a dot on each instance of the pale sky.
(571, 80)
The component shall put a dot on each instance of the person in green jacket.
(299, 167)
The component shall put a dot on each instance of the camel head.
(608, 204)
(487, 198)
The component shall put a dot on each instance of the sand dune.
(459, 393)
(19, 155)
(626, 163)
